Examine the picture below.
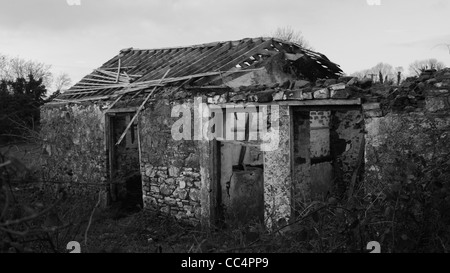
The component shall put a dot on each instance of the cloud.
(439, 5)
(424, 43)
(58, 15)
(62, 35)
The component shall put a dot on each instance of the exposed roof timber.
(123, 67)
(144, 66)
(178, 58)
(191, 67)
(140, 108)
(118, 70)
(77, 93)
(160, 62)
(281, 46)
(244, 56)
(102, 83)
(88, 80)
(152, 83)
(137, 50)
(267, 52)
(108, 73)
(212, 44)
(183, 66)
(144, 85)
(143, 62)
(131, 59)
(240, 49)
(100, 76)
(85, 99)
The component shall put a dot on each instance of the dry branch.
(31, 217)
(139, 110)
(92, 215)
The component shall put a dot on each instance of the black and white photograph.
(224, 132)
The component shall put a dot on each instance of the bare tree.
(418, 67)
(16, 67)
(384, 71)
(62, 81)
(288, 34)
(3, 64)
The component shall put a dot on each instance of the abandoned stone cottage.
(113, 132)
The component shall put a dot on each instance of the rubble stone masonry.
(170, 168)
(74, 153)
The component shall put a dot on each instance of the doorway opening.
(241, 183)
(240, 170)
(124, 168)
(327, 150)
(312, 160)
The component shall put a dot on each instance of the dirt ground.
(114, 229)
(141, 232)
(117, 230)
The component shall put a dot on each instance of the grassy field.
(117, 230)
(111, 230)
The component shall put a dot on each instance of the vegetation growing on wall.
(410, 183)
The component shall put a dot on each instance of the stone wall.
(412, 123)
(170, 168)
(74, 148)
(419, 138)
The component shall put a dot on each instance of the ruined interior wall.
(74, 147)
(170, 168)
(277, 175)
(321, 167)
(326, 147)
(347, 148)
(229, 157)
(301, 176)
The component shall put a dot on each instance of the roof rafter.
(204, 63)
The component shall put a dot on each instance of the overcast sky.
(352, 33)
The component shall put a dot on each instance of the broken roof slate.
(143, 68)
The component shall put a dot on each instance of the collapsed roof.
(134, 70)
